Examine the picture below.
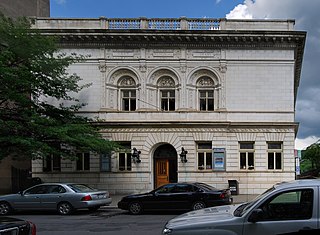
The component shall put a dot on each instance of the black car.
(9, 226)
(176, 196)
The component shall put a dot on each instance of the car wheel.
(198, 205)
(93, 209)
(65, 208)
(135, 208)
(5, 208)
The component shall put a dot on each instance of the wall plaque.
(219, 159)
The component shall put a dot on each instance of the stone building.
(18, 8)
(207, 100)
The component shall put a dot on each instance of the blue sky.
(142, 8)
(305, 13)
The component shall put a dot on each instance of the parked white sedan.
(63, 198)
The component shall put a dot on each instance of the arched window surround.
(204, 86)
(163, 81)
(119, 80)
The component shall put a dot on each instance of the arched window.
(205, 86)
(128, 96)
(166, 88)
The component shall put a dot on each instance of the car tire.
(198, 205)
(135, 208)
(93, 209)
(65, 208)
(5, 208)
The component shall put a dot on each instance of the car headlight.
(166, 231)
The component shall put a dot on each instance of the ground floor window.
(52, 163)
(246, 155)
(83, 162)
(124, 156)
(204, 153)
(274, 156)
(105, 162)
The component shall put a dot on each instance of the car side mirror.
(256, 215)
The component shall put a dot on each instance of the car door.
(31, 198)
(182, 196)
(289, 212)
(53, 196)
(163, 197)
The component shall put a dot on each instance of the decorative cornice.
(242, 134)
(200, 126)
(152, 37)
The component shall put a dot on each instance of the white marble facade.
(249, 87)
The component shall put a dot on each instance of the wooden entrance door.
(162, 167)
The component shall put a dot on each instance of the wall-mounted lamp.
(136, 155)
(183, 155)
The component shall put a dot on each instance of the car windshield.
(80, 188)
(246, 206)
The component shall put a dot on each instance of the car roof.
(56, 183)
(182, 183)
(50, 183)
(298, 183)
(192, 183)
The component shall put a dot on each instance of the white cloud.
(302, 144)
(239, 12)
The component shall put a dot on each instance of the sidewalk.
(236, 198)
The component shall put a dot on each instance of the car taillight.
(86, 198)
(33, 228)
(222, 195)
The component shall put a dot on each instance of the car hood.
(7, 222)
(211, 214)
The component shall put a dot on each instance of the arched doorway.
(165, 165)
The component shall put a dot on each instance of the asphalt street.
(106, 221)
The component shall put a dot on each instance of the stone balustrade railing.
(164, 24)
(181, 23)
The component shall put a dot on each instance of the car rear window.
(206, 187)
(80, 188)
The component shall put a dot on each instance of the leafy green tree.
(312, 155)
(32, 70)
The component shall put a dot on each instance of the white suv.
(286, 208)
